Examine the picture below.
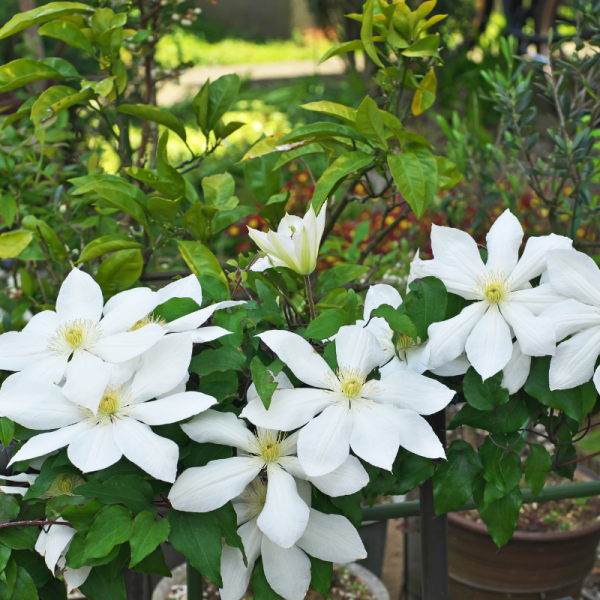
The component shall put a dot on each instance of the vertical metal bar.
(194, 583)
(434, 532)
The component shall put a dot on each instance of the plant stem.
(311, 302)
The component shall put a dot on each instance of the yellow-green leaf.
(107, 244)
(347, 114)
(163, 210)
(427, 46)
(264, 146)
(370, 123)
(366, 33)
(22, 71)
(201, 260)
(425, 96)
(120, 271)
(68, 33)
(47, 234)
(14, 242)
(155, 114)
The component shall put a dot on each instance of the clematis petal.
(324, 444)
(575, 275)
(75, 578)
(43, 324)
(284, 515)
(48, 370)
(374, 435)
(574, 361)
(457, 281)
(302, 252)
(163, 366)
(45, 443)
(535, 334)
(394, 366)
(332, 538)
(348, 478)
(536, 300)
(172, 408)
(489, 346)
(79, 297)
(155, 454)
(457, 249)
(202, 489)
(18, 350)
(597, 379)
(186, 287)
(195, 319)
(533, 259)
(417, 436)
(379, 294)
(447, 339)
(87, 377)
(124, 310)
(305, 363)
(125, 346)
(383, 333)
(94, 449)
(52, 542)
(39, 407)
(236, 576)
(503, 242)
(219, 428)
(207, 334)
(571, 316)
(407, 389)
(358, 349)
(287, 569)
(267, 262)
(458, 366)
(516, 371)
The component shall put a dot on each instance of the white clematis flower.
(202, 489)
(53, 544)
(577, 276)
(373, 417)
(327, 537)
(20, 478)
(76, 331)
(295, 245)
(504, 302)
(122, 424)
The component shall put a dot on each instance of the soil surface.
(344, 586)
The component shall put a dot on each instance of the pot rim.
(526, 536)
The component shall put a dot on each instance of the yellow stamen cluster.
(270, 444)
(114, 397)
(255, 496)
(74, 335)
(351, 382)
(146, 321)
(494, 286)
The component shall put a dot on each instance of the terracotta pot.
(532, 566)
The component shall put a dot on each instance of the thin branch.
(25, 523)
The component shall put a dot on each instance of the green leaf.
(502, 516)
(339, 276)
(198, 536)
(24, 587)
(64, 67)
(327, 324)
(264, 381)
(425, 95)
(200, 455)
(399, 323)
(537, 466)
(225, 218)
(260, 586)
(366, 32)
(54, 589)
(221, 95)
(411, 470)
(164, 210)
(8, 580)
(370, 123)
(342, 49)
(484, 395)
(321, 573)
(342, 167)
(106, 582)
(454, 478)
(67, 32)
(416, 179)
(111, 526)
(427, 46)
(7, 431)
(448, 175)
(106, 244)
(261, 177)
(333, 109)
(9, 508)
(320, 131)
(168, 184)
(336, 298)
(265, 146)
(13, 243)
(120, 271)
(201, 260)
(575, 403)
(426, 303)
(35, 566)
(218, 191)
(200, 107)
(153, 564)
(22, 71)
(47, 234)
(52, 10)
(18, 539)
(147, 534)
(274, 209)
(221, 359)
(156, 115)
(507, 418)
(175, 308)
(130, 490)
(501, 468)
(8, 208)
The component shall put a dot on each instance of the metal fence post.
(434, 532)
(194, 583)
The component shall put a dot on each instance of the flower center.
(255, 496)
(270, 444)
(113, 401)
(64, 483)
(147, 320)
(494, 286)
(80, 334)
(351, 382)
